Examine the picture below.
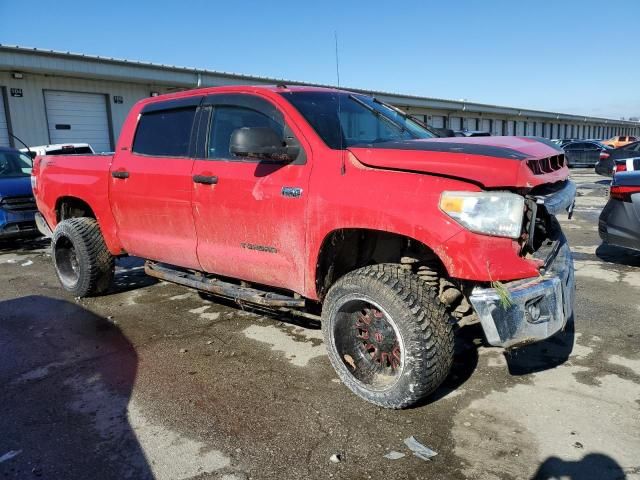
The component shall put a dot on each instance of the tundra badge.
(291, 192)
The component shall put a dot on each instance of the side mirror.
(261, 142)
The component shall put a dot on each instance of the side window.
(229, 118)
(164, 133)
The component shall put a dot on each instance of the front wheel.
(388, 336)
(83, 263)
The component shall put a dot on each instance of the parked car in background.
(472, 133)
(619, 222)
(584, 154)
(561, 142)
(620, 141)
(17, 205)
(60, 149)
(605, 166)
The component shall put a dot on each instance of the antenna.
(335, 34)
(340, 133)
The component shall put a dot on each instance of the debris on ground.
(9, 455)
(335, 458)
(418, 449)
(27, 263)
(183, 350)
(393, 455)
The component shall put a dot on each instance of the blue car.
(17, 205)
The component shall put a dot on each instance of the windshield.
(343, 120)
(14, 164)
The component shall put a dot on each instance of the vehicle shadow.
(67, 377)
(465, 361)
(544, 355)
(594, 466)
(618, 255)
(130, 275)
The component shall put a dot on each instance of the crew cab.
(331, 205)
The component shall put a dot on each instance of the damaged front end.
(528, 310)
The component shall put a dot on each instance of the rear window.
(164, 133)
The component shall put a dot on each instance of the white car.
(61, 149)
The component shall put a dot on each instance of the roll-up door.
(74, 117)
(520, 128)
(455, 123)
(498, 127)
(485, 125)
(437, 121)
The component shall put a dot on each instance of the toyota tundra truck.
(329, 205)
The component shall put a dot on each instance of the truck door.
(151, 186)
(249, 212)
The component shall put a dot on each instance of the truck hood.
(491, 162)
(15, 186)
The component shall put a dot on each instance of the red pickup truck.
(330, 205)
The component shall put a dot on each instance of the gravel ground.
(153, 381)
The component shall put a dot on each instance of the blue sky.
(569, 56)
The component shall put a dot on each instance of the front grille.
(546, 165)
(20, 203)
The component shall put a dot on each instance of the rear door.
(250, 215)
(151, 185)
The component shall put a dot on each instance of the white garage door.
(78, 118)
(497, 128)
(455, 123)
(470, 124)
(485, 125)
(4, 127)
(519, 128)
(437, 121)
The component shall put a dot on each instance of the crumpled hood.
(492, 162)
(14, 186)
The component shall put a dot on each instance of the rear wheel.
(387, 335)
(83, 263)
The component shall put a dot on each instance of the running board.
(218, 287)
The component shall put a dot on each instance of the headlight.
(491, 213)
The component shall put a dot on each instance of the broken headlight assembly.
(490, 213)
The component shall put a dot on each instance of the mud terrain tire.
(408, 328)
(84, 265)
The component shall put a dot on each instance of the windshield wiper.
(378, 113)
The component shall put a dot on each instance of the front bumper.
(534, 308)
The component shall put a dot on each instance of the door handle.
(120, 174)
(205, 179)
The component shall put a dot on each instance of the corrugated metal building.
(61, 97)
